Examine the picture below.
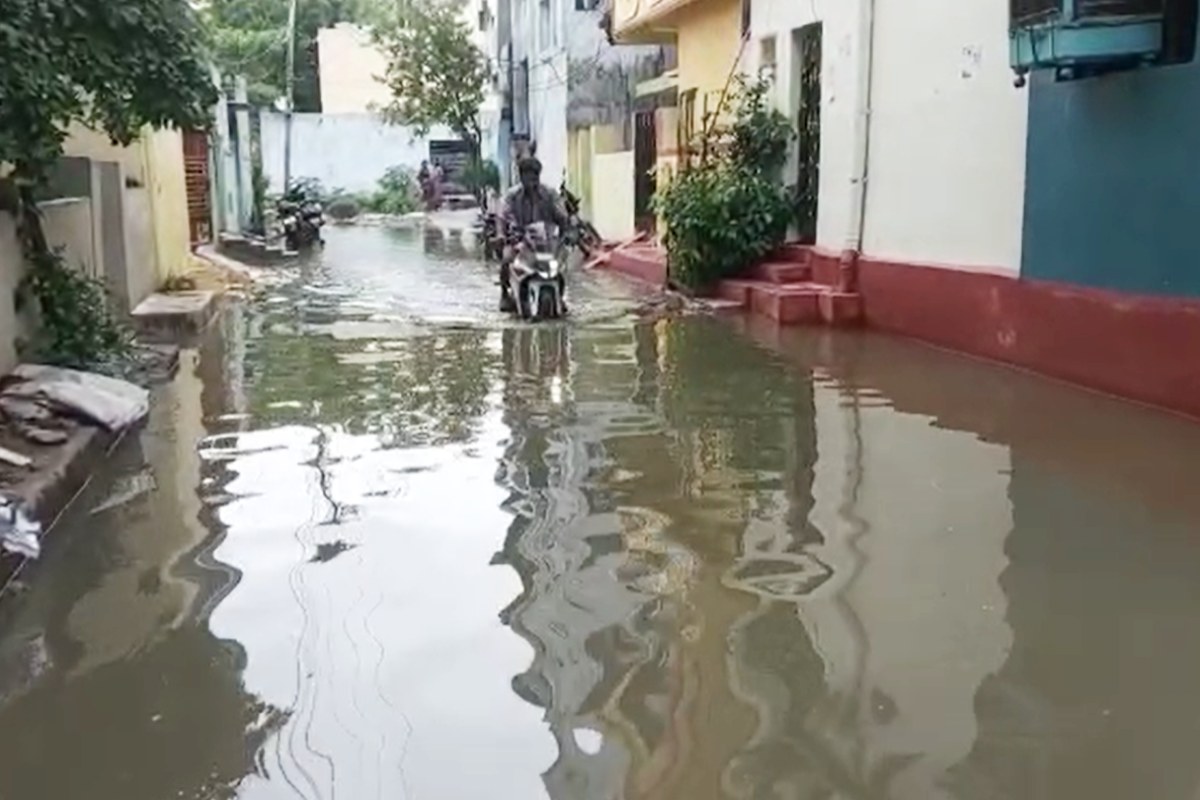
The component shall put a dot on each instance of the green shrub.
(730, 210)
(479, 176)
(720, 219)
(343, 207)
(397, 193)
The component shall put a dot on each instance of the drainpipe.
(848, 279)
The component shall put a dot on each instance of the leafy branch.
(435, 72)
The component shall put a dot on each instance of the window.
(766, 58)
(587, 5)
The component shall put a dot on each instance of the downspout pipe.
(852, 252)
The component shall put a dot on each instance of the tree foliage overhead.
(117, 66)
(435, 72)
(249, 38)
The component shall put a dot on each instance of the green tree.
(435, 72)
(116, 66)
(249, 38)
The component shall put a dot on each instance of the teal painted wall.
(1112, 197)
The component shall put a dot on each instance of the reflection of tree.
(433, 389)
(179, 723)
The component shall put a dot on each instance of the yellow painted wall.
(167, 184)
(709, 44)
(156, 162)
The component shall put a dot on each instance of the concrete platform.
(166, 316)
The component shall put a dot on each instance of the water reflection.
(610, 559)
(111, 684)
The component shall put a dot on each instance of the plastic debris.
(127, 488)
(19, 533)
(112, 403)
(15, 458)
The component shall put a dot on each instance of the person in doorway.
(526, 203)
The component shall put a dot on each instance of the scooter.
(536, 286)
(302, 224)
(579, 232)
(488, 230)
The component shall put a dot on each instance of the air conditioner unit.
(1083, 38)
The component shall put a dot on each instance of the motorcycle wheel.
(547, 304)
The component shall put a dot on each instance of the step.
(840, 309)
(793, 253)
(737, 291)
(781, 272)
(787, 304)
(827, 271)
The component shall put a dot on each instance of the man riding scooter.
(525, 204)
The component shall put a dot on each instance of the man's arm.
(508, 216)
(558, 211)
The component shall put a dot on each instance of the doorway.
(806, 60)
(645, 153)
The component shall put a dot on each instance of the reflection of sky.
(391, 652)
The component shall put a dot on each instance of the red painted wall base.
(1141, 348)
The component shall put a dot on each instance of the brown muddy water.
(378, 542)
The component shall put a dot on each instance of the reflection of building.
(147, 701)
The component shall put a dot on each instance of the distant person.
(425, 181)
(437, 180)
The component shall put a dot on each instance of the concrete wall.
(946, 179)
(12, 267)
(1112, 195)
(153, 163)
(346, 151)
(67, 223)
(612, 194)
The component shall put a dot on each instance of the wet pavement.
(380, 542)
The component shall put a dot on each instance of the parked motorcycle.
(537, 287)
(488, 230)
(302, 222)
(579, 232)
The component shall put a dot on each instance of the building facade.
(1036, 219)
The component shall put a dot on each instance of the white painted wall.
(346, 151)
(839, 96)
(947, 166)
(612, 194)
(548, 115)
(946, 173)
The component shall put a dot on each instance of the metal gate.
(645, 152)
(195, 164)
(808, 46)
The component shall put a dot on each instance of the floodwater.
(379, 542)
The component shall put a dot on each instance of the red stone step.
(840, 308)
(787, 304)
(781, 272)
(827, 270)
(737, 291)
(794, 253)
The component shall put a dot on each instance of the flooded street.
(379, 541)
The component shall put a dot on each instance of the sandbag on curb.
(111, 403)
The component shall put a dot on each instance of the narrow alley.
(379, 541)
